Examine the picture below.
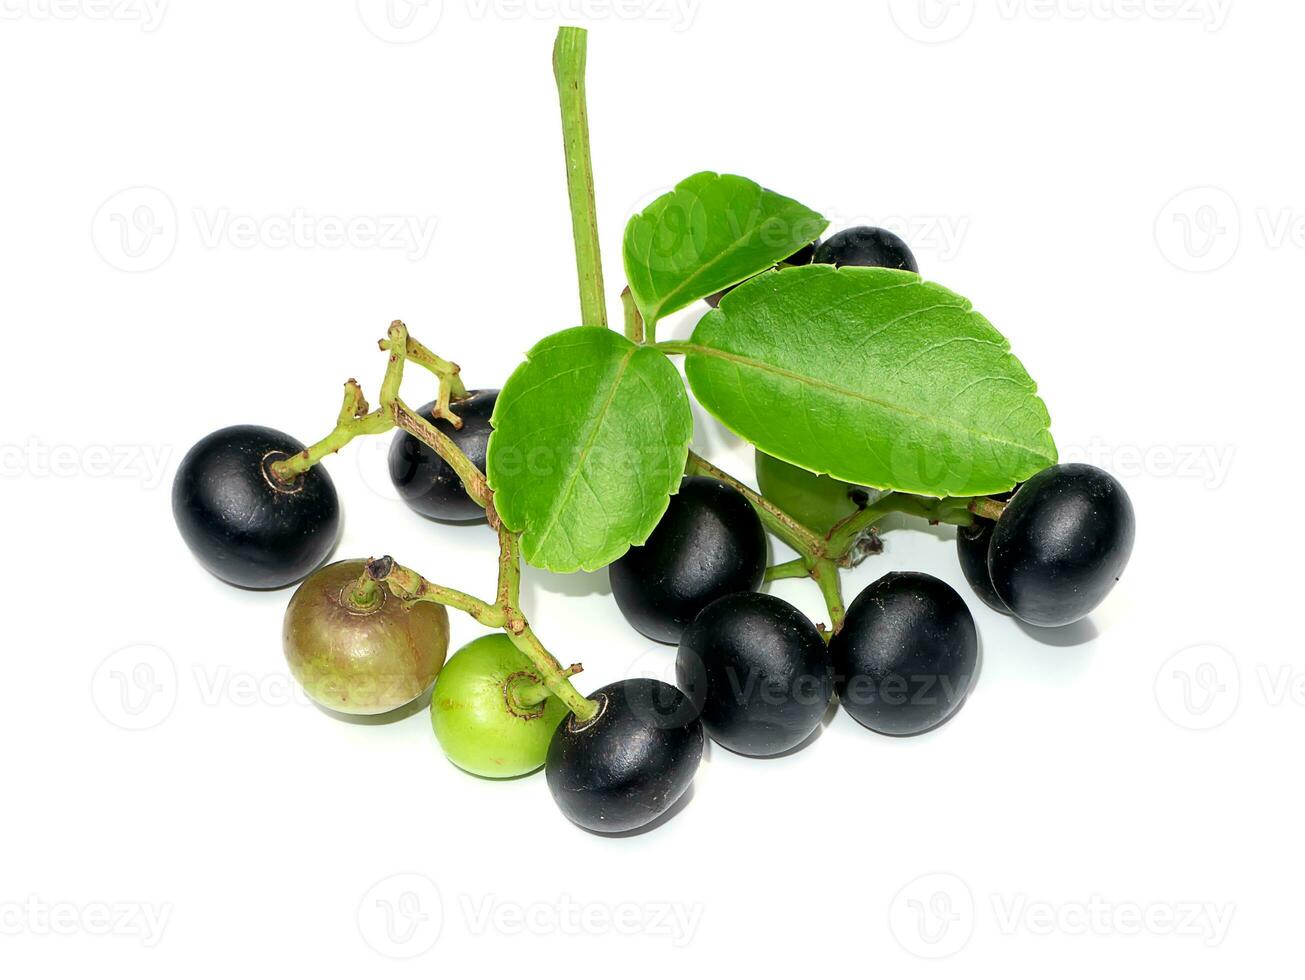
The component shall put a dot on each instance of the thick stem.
(633, 318)
(569, 56)
(796, 535)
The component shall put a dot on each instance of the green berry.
(817, 501)
(479, 721)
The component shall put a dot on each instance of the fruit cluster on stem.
(356, 420)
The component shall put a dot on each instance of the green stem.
(825, 574)
(449, 374)
(797, 568)
(365, 595)
(354, 421)
(569, 57)
(796, 535)
(633, 318)
(554, 676)
(674, 346)
(411, 587)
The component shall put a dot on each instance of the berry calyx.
(758, 671)
(906, 654)
(244, 525)
(1061, 544)
(708, 544)
(428, 484)
(355, 648)
(629, 764)
(866, 246)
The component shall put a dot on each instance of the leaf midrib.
(691, 348)
(590, 438)
(697, 274)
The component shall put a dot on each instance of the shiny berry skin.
(361, 660)
(1062, 544)
(429, 485)
(625, 767)
(708, 544)
(864, 246)
(758, 671)
(242, 524)
(479, 727)
(906, 654)
(802, 256)
(972, 551)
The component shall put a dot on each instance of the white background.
(1121, 794)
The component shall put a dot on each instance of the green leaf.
(874, 377)
(591, 434)
(711, 232)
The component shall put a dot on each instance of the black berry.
(906, 654)
(709, 544)
(245, 526)
(872, 247)
(629, 764)
(1061, 544)
(758, 671)
(431, 486)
